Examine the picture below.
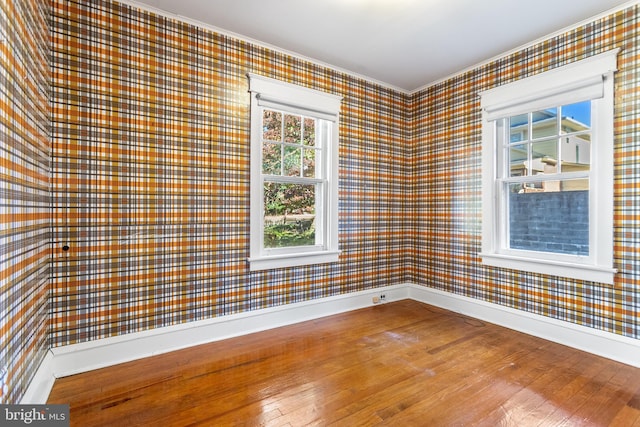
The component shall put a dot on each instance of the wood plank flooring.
(397, 364)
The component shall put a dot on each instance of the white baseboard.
(42, 382)
(83, 357)
(605, 344)
(91, 355)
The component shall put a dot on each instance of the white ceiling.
(405, 44)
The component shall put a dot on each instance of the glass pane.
(292, 129)
(271, 159)
(289, 215)
(292, 161)
(544, 157)
(518, 160)
(576, 153)
(576, 117)
(544, 123)
(309, 136)
(550, 220)
(309, 163)
(272, 125)
(519, 128)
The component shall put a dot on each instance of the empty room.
(340, 212)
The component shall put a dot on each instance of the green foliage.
(295, 233)
(288, 149)
(288, 199)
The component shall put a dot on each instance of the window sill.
(556, 268)
(292, 260)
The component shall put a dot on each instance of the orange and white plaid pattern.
(147, 180)
(25, 194)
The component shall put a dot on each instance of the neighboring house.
(574, 150)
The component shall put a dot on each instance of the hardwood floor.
(398, 364)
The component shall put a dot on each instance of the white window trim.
(591, 78)
(271, 93)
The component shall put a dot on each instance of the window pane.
(289, 215)
(292, 161)
(549, 216)
(272, 125)
(519, 128)
(544, 123)
(292, 129)
(576, 153)
(544, 157)
(518, 160)
(309, 137)
(271, 159)
(576, 117)
(309, 163)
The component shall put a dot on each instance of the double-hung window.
(548, 172)
(294, 175)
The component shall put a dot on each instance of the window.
(294, 175)
(547, 159)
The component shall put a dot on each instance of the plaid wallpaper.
(149, 178)
(446, 155)
(25, 224)
(151, 175)
(151, 169)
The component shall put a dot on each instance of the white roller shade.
(294, 107)
(584, 81)
(551, 97)
(270, 93)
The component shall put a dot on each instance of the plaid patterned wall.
(446, 136)
(25, 225)
(151, 157)
(151, 175)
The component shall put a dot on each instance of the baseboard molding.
(83, 357)
(605, 344)
(42, 382)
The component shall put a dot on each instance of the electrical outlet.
(379, 298)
